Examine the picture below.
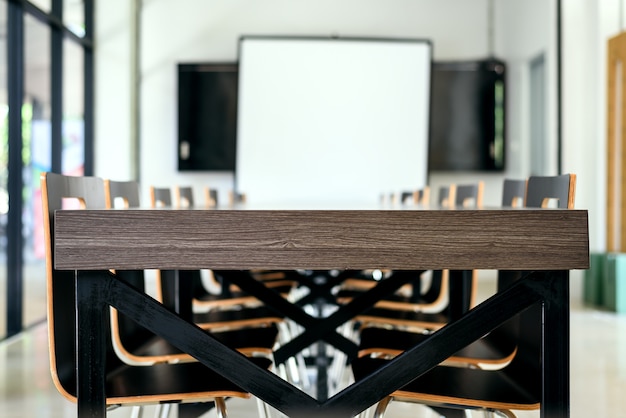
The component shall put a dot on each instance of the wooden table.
(549, 241)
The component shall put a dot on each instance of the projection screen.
(332, 119)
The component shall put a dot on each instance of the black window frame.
(17, 10)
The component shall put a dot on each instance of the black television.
(207, 116)
(467, 121)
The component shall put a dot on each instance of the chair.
(429, 300)
(236, 197)
(160, 197)
(447, 195)
(367, 279)
(135, 345)
(203, 299)
(541, 191)
(210, 197)
(161, 383)
(416, 197)
(183, 197)
(516, 386)
(230, 311)
(513, 193)
(469, 195)
(122, 194)
(429, 309)
(489, 352)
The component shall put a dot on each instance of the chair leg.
(163, 410)
(220, 408)
(294, 368)
(505, 413)
(263, 409)
(136, 412)
(382, 407)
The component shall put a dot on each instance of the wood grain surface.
(524, 239)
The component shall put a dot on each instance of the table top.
(324, 239)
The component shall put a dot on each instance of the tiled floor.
(598, 375)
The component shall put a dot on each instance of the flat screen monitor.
(332, 119)
(467, 116)
(207, 116)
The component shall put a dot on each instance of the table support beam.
(97, 290)
(319, 328)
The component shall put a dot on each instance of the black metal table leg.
(460, 293)
(556, 355)
(177, 291)
(91, 345)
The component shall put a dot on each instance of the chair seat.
(448, 385)
(396, 317)
(247, 340)
(183, 381)
(237, 297)
(240, 317)
(345, 295)
(491, 349)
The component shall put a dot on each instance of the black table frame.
(97, 290)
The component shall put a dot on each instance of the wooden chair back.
(513, 193)
(446, 198)
(469, 195)
(542, 190)
(524, 327)
(422, 196)
(127, 335)
(210, 197)
(160, 197)
(184, 196)
(406, 198)
(126, 384)
(236, 197)
(121, 194)
(61, 305)
(516, 385)
(416, 197)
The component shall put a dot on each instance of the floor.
(598, 370)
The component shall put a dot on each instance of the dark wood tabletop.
(527, 239)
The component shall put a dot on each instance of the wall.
(587, 26)
(209, 30)
(113, 114)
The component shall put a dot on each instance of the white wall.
(113, 144)
(588, 24)
(199, 30)
(526, 30)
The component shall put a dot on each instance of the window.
(43, 109)
(36, 153)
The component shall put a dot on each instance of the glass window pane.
(36, 158)
(74, 16)
(4, 138)
(45, 5)
(73, 109)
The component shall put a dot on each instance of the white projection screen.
(332, 119)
